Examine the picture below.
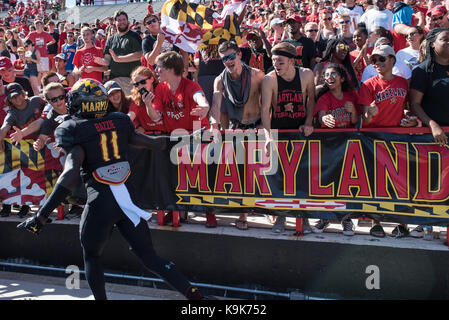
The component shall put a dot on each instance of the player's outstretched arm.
(142, 141)
(66, 181)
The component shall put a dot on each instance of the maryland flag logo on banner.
(27, 176)
(191, 26)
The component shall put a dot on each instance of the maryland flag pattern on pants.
(28, 176)
(190, 25)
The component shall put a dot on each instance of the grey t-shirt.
(22, 118)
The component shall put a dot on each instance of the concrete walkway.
(21, 286)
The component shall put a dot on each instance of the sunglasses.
(333, 74)
(312, 30)
(328, 19)
(229, 57)
(141, 82)
(152, 21)
(381, 59)
(342, 46)
(61, 97)
(345, 22)
(437, 18)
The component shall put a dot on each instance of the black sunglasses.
(61, 97)
(152, 21)
(438, 18)
(381, 59)
(143, 81)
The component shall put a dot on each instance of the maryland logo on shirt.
(392, 94)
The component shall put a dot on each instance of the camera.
(142, 91)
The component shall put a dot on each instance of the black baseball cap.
(13, 89)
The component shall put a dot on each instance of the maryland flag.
(26, 176)
(191, 26)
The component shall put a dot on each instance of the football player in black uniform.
(97, 143)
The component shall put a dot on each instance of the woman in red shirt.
(143, 79)
(336, 108)
(337, 104)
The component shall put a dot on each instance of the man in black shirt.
(430, 83)
(52, 49)
(154, 44)
(7, 75)
(258, 55)
(305, 47)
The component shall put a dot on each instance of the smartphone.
(142, 91)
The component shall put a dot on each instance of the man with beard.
(305, 47)
(122, 52)
(288, 102)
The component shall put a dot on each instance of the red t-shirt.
(40, 41)
(85, 57)
(331, 105)
(389, 96)
(143, 119)
(19, 66)
(175, 109)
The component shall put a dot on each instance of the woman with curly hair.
(336, 104)
(337, 51)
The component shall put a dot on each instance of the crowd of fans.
(301, 65)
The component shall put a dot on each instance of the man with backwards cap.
(288, 94)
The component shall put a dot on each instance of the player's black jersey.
(104, 140)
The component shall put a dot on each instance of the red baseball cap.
(437, 11)
(295, 17)
(5, 63)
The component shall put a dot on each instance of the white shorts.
(44, 65)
